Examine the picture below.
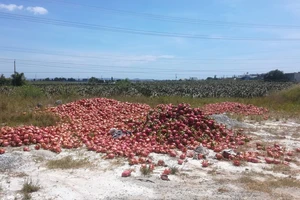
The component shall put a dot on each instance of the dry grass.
(115, 163)
(29, 187)
(223, 190)
(183, 175)
(281, 196)
(281, 168)
(285, 182)
(246, 147)
(269, 184)
(296, 134)
(19, 174)
(212, 172)
(251, 184)
(222, 180)
(68, 163)
(256, 118)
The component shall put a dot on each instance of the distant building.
(295, 77)
(249, 77)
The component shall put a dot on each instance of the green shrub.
(29, 91)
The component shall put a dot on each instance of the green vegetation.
(192, 89)
(94, 80)
(4, 81)
(19, 108)
(275, 75)
(146, 170)
(18, 79)
(29, 187)
(67, 163)
(18, 105)
(174, 170)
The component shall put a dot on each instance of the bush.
(275, 75)
(4, 81)
(18, 79)
(28, 91)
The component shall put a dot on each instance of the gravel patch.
(9, 161)
(230, 123)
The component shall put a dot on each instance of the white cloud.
(37, 10)
(11, 7)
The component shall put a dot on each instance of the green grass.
(67, 163)
(29, 118)
(146, 170)
(17, 108)
(284, 104)
(174, 170)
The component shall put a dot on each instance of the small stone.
(58, 102)
(39, 105)
(164, 177)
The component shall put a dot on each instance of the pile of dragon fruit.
(176, 130)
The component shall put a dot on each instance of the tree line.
(16, 79)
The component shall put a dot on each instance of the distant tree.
(59, 79)
(71, 79)
(4, 81)
(47, 79)
(209, 78)
(275, 75)
(123, 85)
(93, 80)
(18, 79)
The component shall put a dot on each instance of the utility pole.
(15, 67)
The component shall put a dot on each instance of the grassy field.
(19, 107)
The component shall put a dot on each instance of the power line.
(40, 51)
(100, 66)
(179, 19)
(87, 64)
(129, 72)
(122, 58)
(117, 68)
(71, 24)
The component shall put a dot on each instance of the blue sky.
(45, 50)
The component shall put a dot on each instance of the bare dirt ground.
(101, 179)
